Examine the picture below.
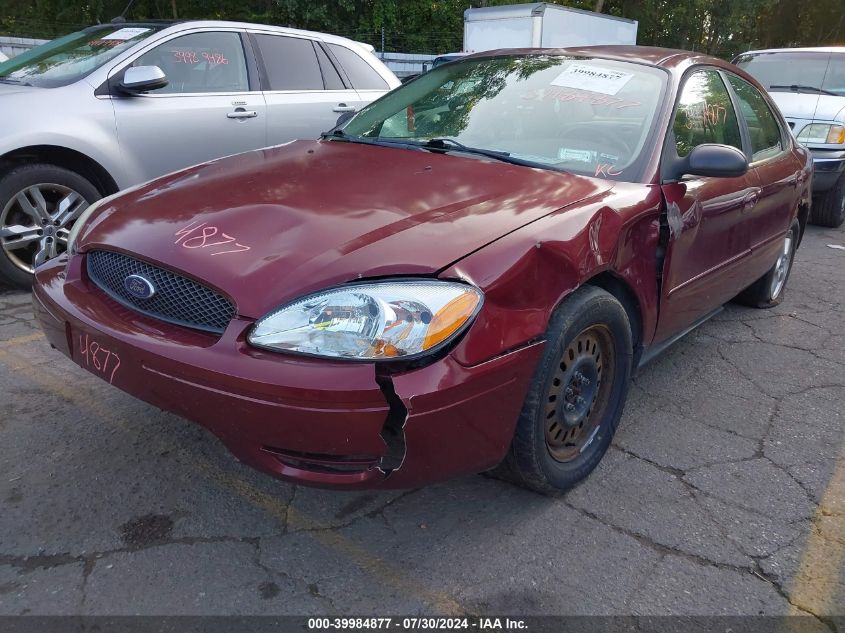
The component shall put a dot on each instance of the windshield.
(72, 57)
(820, 73)
(583, 115)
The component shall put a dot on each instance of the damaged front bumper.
(322, 423)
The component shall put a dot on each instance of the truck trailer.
(542, 25)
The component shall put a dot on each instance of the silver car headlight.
(390, 320)
(823, 133)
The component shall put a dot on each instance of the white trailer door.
(566, 27)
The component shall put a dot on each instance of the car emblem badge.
(139, 287)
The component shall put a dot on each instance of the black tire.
(57, 182)
(829, 209)
(588, 312)
(766, 292)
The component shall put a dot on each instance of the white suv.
(808, 85)
(114, 105)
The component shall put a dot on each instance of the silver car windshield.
(585, 115)
(813, 73)
(70, 58)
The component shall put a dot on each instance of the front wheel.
(38, 206)
(577, 395)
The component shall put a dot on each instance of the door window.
(763, 128)
(705, 114)
(330, 75)
(290, 63)
(200, 62)
(361, 74)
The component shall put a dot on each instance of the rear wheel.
(38, 206)
(577, 396)
(829, 209)
(768, 291)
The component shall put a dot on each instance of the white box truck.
(542, 25)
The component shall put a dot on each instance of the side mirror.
(343, 118)
(138, 79)
(713, 160)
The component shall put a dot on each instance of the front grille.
(176, 299)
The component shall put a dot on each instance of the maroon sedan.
(461, 277)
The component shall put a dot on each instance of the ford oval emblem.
(139, 287)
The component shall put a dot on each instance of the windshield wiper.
(436, 145)
(799, 88)
(450, 144)
(335, 133)
(340, 135)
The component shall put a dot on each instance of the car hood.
(267, 226)
(7, 89)
(808, 106)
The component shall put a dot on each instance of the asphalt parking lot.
(724, 493)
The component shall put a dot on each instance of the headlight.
(822, 133)
(80, 222)
(375, 321)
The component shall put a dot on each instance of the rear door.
(303, 89)
(365, 79)
(777, 172)
(208, 108)
(708, 219)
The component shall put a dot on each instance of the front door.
(206, 111)
(707, 218)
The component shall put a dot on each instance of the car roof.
(807, 49)
(647, 55)
(118, 24)
(255, 26)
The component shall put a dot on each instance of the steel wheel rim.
(579, 392)
(36, 222)
(782, 267)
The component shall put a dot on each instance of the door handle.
(240, 113)
(750, 200)
(342, 107)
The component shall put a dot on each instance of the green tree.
(719, 27)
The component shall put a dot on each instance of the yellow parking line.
(21, 340)
(819, 585)
(383, 571)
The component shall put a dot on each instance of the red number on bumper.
(98, 359)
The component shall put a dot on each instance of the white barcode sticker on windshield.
(125, 34)
(593, 78)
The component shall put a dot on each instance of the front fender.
(70, 118)
(526, 274)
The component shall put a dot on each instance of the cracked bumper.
(309, 421)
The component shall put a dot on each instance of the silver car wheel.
(782, 267)
(36, 222)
